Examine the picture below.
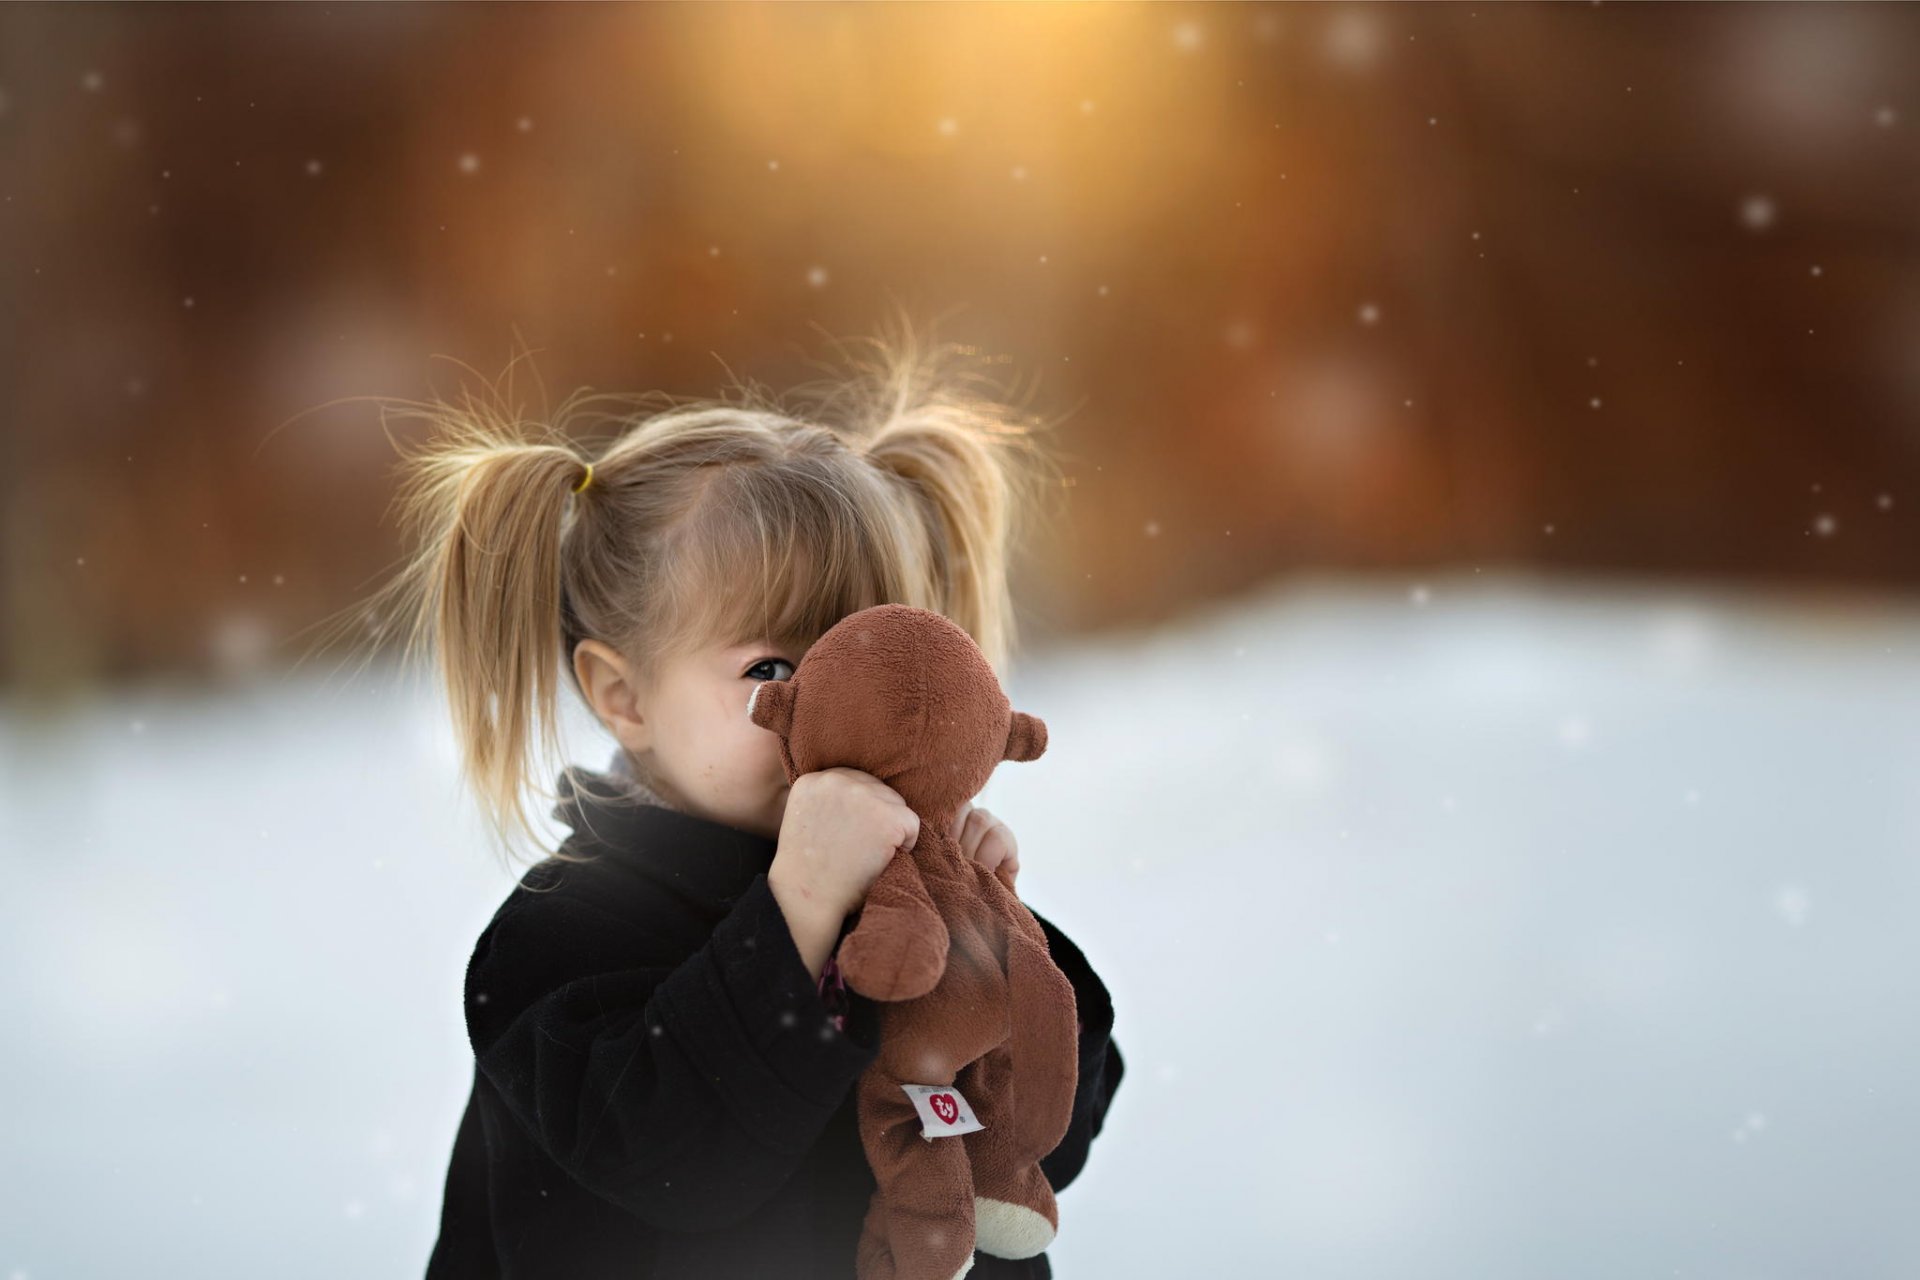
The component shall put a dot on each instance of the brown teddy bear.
(975, 1076)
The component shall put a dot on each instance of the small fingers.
(971, 828)
(960, 820)
(989, 841)
(975, 838)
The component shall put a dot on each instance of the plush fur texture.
(973, 1000)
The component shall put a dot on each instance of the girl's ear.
(770, 706)
(1027, 737)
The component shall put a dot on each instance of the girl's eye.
(764, 662)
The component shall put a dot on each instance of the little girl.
(663, 1060)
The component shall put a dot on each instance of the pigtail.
(486, 503)
(962, 492)
(963, 457)
(496, 609)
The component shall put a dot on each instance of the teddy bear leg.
(1019, 1226)
(875, 1258)
(1014, 1212)
(919, 1225)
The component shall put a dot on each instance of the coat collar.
(615, 818)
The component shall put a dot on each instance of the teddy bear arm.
(898, 950)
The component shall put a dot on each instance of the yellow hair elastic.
(584, 479)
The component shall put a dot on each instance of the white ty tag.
(942, 1110)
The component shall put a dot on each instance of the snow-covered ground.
(1480, 928)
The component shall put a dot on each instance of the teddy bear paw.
(1008, 1230)
(887, 959)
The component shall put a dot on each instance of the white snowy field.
(1490, 928)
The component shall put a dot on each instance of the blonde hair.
(895, 482)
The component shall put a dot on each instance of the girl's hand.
(840, 830)
(988, 841)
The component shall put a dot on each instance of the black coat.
(659, 1090)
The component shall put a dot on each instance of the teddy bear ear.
(770, 706)
(1027, 738)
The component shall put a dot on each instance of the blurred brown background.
(1607, 287)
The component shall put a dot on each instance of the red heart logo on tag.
(945, 1107)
